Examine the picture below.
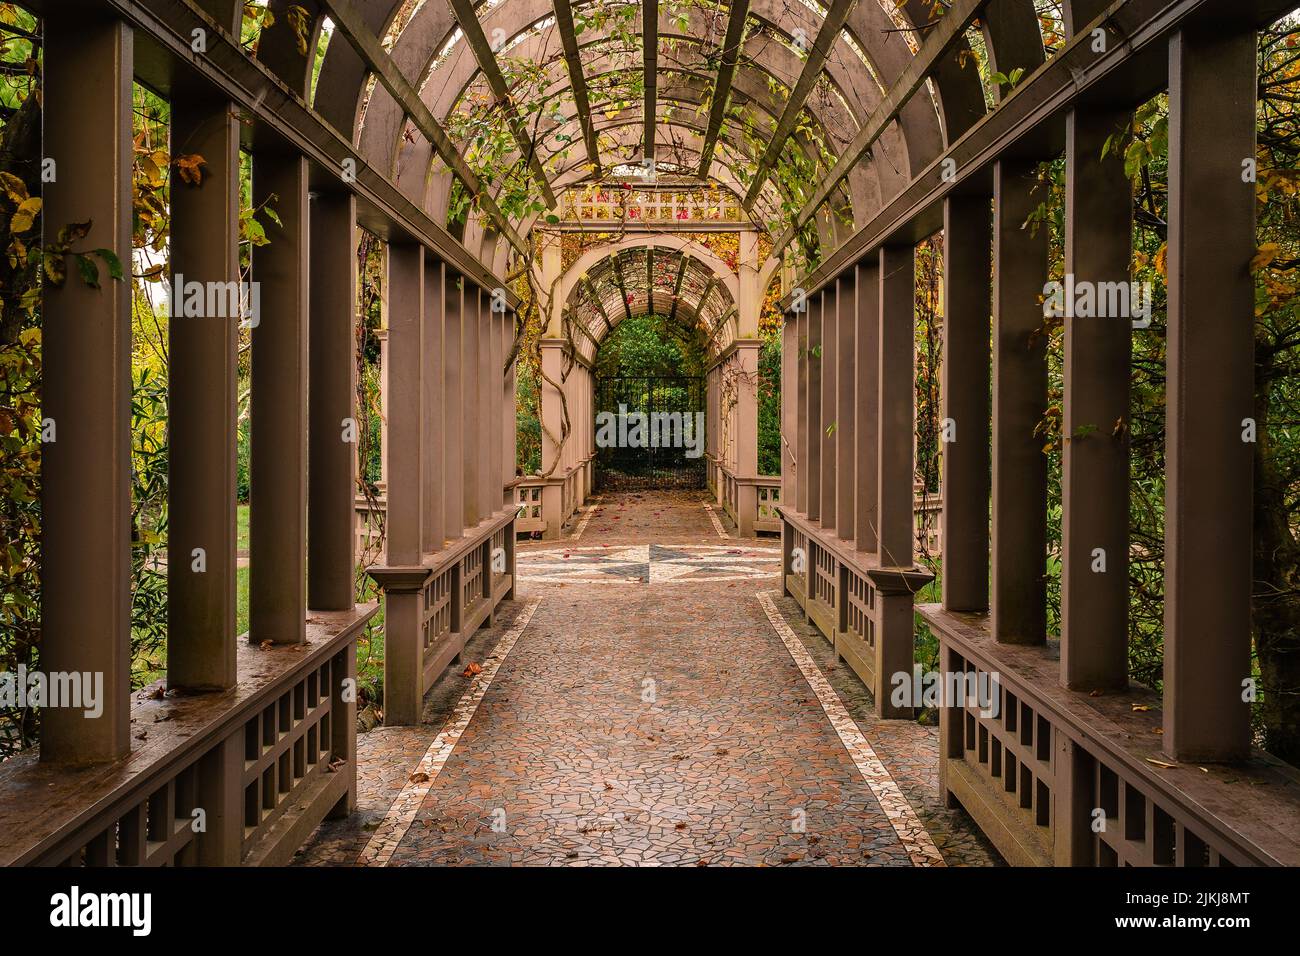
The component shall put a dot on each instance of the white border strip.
(914, 837)
(582, 525)
(397, 821)
(717, 525)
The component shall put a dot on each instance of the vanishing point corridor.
(649, 699)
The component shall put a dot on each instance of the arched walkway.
(430, 202)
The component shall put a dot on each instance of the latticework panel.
(285, 745)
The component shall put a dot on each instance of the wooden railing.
(218, 780)
(862, 608)
(548, 504)
(631, 204)
(454, 592)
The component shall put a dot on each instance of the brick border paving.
(901, 816)
(402, 813)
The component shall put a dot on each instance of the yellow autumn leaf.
(25, 217)
(1264, 255)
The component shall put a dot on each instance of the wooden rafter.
(722, 87)
(650, 278)
(812, 68)
(934, 47)
(650, 53)
(622, 285)
(600, 305)
(577, 81)
(487, 61)
(677, 287)
(349, 23)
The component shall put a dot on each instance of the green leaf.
(89, 271)
(112, 261)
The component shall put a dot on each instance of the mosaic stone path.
(659, 724)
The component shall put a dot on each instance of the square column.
(1209, 395)
(826, 432)
(846, 303)
(331, 445)
(203, 376)
(1019, 535)
(866, 398)
(86, 392)
(277, 593)
(896, 406)
(404, 605)
(435, 419)
(1095, 460)
(453, 375)
(964, 430)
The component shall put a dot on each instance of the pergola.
(833, 137)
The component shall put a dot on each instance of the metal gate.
(649, 432)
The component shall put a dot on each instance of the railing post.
(1210, 394)
(221, 795)
(965, 391)
(845, 412)
(403, 614)
(201, 403)
(1019, 545)
(277, 595)
(343, 724)
(86, 386)
(866, 401)
(332, 405)
(1095, 465)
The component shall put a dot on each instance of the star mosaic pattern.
(650, 564)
